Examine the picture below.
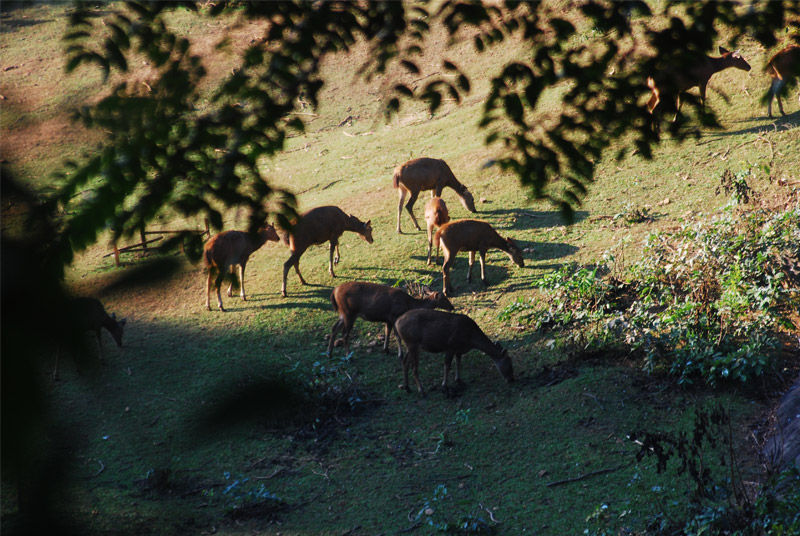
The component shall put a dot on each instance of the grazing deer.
(671, 83)
(453, 334)
(228, 249)
(377, 303)
(436, 215)
(317, 226)
(88, 314)
(426, 174)
(782, 67)
(472, 236)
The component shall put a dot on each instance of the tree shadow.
(524, 219)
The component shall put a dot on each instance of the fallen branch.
(581, 477)
(102, 468)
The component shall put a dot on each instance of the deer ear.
(723, 50)
(368, 223)
(114, 316)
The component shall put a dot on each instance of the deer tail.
(396, 177)
(333, 302)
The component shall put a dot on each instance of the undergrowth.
(706, 303)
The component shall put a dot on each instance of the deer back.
(785, 64)
(436, 213)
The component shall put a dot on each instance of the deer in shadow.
(317, 226)
(88, 314)
(472, 236)
(783, 67)
(226, 250)
(449, 333)
(669, 84)
(377, 303)
(426, 174)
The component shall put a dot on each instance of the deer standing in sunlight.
(88, 314)
(783, 67)
(226, 250)
(472, 236)
(669, 84)
(426, 174)
(317, 226)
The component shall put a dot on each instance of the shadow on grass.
(759, 125)
(524, 219)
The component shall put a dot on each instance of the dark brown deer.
(317, 226)
(226, 250)
(88, 314)
(448, 333)
(472, 236)
(376, 303)
(668, 85)
(426, 174)
(436, 215)
(783, 67)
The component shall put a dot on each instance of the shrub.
(705, 302)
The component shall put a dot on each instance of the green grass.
(148, 412)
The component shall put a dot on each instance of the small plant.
(432, 513)
(633, 214)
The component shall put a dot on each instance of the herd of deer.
(415, 321)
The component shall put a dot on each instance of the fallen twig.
(102, 468)
(581, 477)
(593, 397)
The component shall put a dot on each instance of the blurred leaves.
(165, 153)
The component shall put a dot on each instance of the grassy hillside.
(237, 423)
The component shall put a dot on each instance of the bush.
(705, 302)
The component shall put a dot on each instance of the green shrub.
(705, 302)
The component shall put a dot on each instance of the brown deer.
(376, 303)
(426, 174)
(88, 314)
(451, 333)
(436, 215)
(472, 236)
(226, 250)
(782, 67)
(317, 226)
(671, 83)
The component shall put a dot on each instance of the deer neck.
(354, 224)
(720, 64)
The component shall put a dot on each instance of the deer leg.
(334, 245)
(471, 262)
(483, 267)
(400, 207)
(678, 104)
(348, 327)
(337, 256)
(386, 338)
(430, 243)
(208, 288)
(448, 360)
(217, 285)
(415, 364)
(336, 326)
(458, 369)
(232, 271)
(410, 209)
(406, 363)
(241, 280)
(448, 263)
